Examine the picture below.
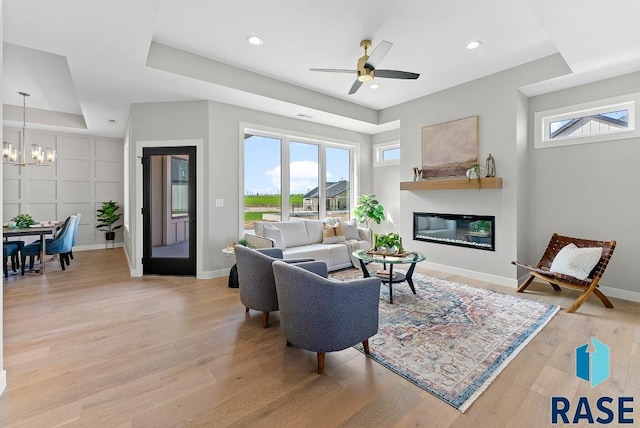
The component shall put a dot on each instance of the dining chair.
(60, 245)
(75, 234)
(9, 249)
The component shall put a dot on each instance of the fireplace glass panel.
(463, 230)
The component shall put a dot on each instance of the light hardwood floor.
(92, 347)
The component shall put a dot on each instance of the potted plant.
(107, 217)
(22, 221)
(368, 208)
(388, 243)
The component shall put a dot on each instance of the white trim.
(618, 293)
(213, 274)
(495, 279)
(3, 381)
(200, 200)
(96, 247)
(378, 153)
(543, 119)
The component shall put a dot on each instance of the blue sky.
(262, 166)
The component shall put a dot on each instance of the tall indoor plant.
(107, 217)
(368, 208)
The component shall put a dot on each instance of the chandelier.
(18, 155)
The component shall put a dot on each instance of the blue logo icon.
(593, 366)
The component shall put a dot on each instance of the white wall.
(385, 186)
(498, 102)
(589, 190)
(88, 170)
(218, 125)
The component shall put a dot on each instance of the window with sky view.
(263, 172)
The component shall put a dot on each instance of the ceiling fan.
(367, 66)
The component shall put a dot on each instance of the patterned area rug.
(451, 339)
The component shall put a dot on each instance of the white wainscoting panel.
(88, 171)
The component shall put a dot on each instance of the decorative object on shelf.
(490, 166)
(368, 208)
(449, 149)
(107, 216)
(22, 221)
(18, 155)
(417, 173)
(477, 172)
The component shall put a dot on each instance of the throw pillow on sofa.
(332, 234)
(274, 233)
(350, 229)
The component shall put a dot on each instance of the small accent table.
(233, 272)
(410, 258)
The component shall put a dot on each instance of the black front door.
(169, 210)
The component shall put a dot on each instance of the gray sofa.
(304, 239)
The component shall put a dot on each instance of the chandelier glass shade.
(19, 156)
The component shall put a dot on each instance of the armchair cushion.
(574, 261)
(324, 315)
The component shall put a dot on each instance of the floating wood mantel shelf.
(452, 184)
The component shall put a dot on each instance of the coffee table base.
(390, 280)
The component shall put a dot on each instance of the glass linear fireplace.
(463, 230)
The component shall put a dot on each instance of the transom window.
(386, 153)
(603, 120)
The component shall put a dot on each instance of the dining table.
(40, 229)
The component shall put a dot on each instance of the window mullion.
(284, 178)
(322, 181)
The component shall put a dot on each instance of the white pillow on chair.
(576, 262)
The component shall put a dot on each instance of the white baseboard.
(212, 274)
(501, 280)
(618, 293)
(3, 381)
(95, 247)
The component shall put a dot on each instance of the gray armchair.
(324, 315)
(255, 279)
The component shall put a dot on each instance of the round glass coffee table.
(410, 257)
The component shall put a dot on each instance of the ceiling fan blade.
(356, 85)
(379, 53)
(333, 70)
(395, 74)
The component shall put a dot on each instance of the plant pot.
(110, 239)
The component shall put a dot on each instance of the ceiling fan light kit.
(366, 68)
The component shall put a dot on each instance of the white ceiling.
(92, 57)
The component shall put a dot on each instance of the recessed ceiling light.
(374, 86)
(255, 40)
(474, 44)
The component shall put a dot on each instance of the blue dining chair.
(75, 234)
(60, 245)
(9, 249)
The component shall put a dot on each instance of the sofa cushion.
(293, 232)
(317, 252)
(350, 229)
(314, 230)
(274, 233)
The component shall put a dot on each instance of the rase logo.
(593, 367)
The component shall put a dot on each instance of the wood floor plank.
(93, 347)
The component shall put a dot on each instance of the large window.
(293, 178)
(602, 120)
